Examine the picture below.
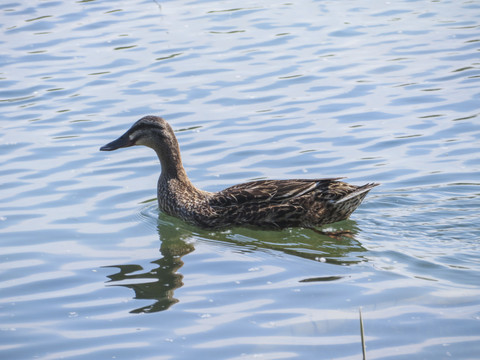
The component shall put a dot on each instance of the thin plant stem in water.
(362, 335)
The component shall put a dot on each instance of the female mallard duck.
(270, 204)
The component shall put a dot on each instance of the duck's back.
(278, 204)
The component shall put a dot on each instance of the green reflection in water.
(177, 239)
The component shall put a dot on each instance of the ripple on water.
(90, 269)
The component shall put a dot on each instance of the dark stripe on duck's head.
(149, 121)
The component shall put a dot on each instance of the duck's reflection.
(163, 279)
(177, 238)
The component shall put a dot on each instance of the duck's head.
(151, 131)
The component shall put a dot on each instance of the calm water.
(372, 90)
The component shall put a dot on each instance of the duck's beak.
(121, 142)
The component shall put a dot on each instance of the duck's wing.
(268, 191)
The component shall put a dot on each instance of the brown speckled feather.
(272, 204)
(288, 203)
(273, 191)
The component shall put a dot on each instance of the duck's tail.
(358, 194)
(347, 204)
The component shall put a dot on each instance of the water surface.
(371, 90)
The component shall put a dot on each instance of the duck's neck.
(172, 167)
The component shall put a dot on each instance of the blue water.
(371, 90)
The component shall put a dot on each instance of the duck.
(264, 204)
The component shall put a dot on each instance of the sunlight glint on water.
(374, 91)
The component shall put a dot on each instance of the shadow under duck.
(268, 204)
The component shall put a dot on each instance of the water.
(372, 90)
